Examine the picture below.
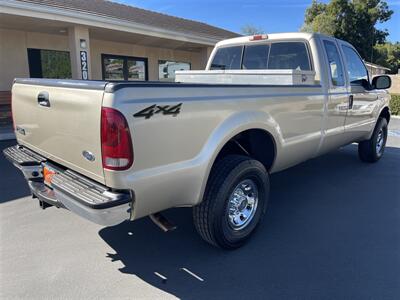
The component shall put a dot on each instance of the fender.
(232, 126)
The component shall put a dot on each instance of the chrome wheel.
(379, 142)
(242, 204)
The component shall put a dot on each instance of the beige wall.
(395, 89)
(14, 57)
(14, 54)
(153, 54)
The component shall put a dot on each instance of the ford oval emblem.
(88, 155)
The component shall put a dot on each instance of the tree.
(388, 55)
(354, 21)
(251, 30)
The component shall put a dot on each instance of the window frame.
(172, 60)
(125, 70)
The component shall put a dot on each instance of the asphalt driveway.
(332, 231)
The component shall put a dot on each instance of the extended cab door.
(360, 118)
(338, 96)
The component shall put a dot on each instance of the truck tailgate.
(61, 123)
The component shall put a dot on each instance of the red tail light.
(116, 143)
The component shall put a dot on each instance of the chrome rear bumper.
(70, 190)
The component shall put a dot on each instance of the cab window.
(255, 57)
(289, 55)
(335, 64)
(227, 58)
(356, 69)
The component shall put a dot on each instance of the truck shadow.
(332, 228)
(12, 183)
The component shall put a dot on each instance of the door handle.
(43, 99)
(351, 100)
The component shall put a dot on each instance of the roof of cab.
(273, 36)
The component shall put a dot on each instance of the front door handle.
(43, 99)
(351, 100)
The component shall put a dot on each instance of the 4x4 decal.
(150, 111)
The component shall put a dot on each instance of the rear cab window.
(289, 55)
(255, 57)
(228, 58)
(292, 55)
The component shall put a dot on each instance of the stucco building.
(96, 39)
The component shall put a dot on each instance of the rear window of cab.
(278, 55)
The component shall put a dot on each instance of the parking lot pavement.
(332, 231)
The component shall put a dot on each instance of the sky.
(269, 15)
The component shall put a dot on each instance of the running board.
(162, 222)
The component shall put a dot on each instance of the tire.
(219, 219)
(372, 150)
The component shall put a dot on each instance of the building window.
(49, 64)
(117, 67)
(167, 68)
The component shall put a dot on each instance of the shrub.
(395, 105)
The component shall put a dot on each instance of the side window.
(289, 55)
(335, 65)
(357, 72)
(255, 57)
(227, 58)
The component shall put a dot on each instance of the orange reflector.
(48, 175)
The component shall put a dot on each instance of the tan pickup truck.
(114, 151)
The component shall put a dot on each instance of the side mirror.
(381, 82)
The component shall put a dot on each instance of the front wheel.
(372, 150)
(234, 201)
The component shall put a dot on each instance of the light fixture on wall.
(62, 30)
(83, 43)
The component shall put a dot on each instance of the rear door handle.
(351, 100)
(43, 99)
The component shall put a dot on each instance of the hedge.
(395, 105)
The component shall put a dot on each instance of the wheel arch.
(239, 125)
(385, 113)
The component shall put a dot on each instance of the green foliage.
(55, 64)
(395, 105)
(353, 21)
(387, 55)
(251, 30)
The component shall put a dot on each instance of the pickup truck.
(115, 151)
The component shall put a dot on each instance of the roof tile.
(138, 15)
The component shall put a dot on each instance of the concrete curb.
(395, 117)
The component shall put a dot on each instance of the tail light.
(116, 143)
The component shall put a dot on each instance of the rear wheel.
(234, 202)
(372, 150)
